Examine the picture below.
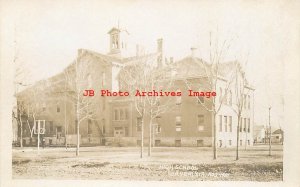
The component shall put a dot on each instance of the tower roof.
(114, 29)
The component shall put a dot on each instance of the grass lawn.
(165, 163)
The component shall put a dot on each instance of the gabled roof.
(278, 131)
(114, 29)
(190, 67)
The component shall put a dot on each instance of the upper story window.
(121, 114)
(178, 123)
(248, 125)
(230, 123)
(116, 115)
(157, 128)
(58, 108)
(225, 123)
(115, 41)
(248, 101)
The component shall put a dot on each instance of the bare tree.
(241, 92)
(144, 75)
(212, 78)
(159, 79)
(77, 81)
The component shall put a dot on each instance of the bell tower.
(118, 42)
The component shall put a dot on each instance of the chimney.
(193, 51)
(159, 51)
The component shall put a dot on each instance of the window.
(200, 143)
(122, 117)
(220, 123)
(200, 121)
(245, 124)
(178, 123)
(126, 113)
(225, 123)
(248, 142)
(116, 114)
(229, 142)
(230, 123)
(241, 124)
(126, 131)
(57, 109)
(157, 142)
(89, 129)
(177, 143)
(248, 101)
(139, 124)
(220, 143)
(241, 142)
(248, 125)
(58, 130)
(157, 128)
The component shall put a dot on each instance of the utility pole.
(270, 133)
(38, 144)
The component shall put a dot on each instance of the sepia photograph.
(169, 91)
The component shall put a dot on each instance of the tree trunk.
(21, 133)
(215, 135)
(78, 139)
(237, 139)
(150, 137)
(66, 143)
(142, 137)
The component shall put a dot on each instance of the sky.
(45, 36)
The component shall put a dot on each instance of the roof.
(114, 29)
(278, 131)
(196, 67)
